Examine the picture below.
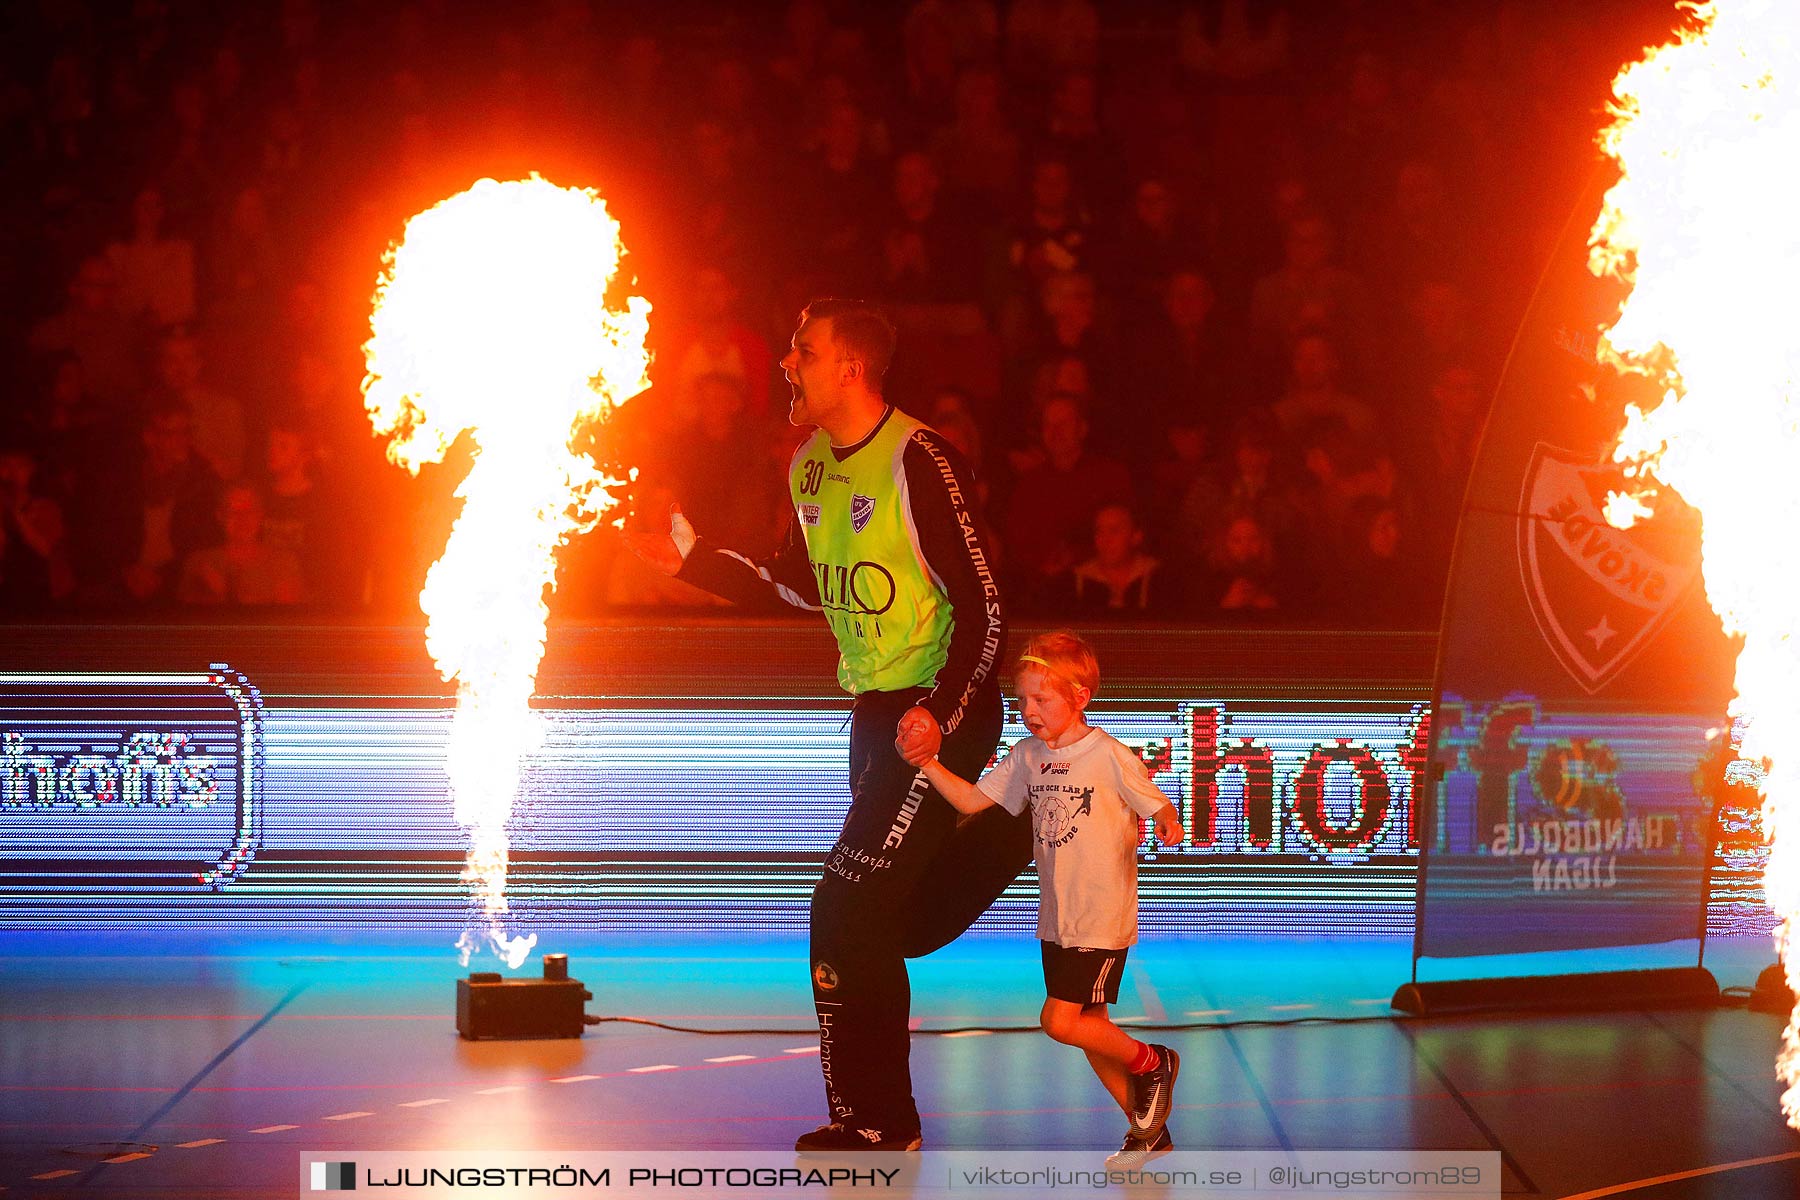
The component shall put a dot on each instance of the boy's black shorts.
(1081, 974)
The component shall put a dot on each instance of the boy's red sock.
(1146, 1059)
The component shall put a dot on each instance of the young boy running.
(1086, 792)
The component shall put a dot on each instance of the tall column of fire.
(491, 320)
(1702, 225)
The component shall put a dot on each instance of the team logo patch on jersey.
(809, 514)
(861, 509)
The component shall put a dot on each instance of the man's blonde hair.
(1065, 658)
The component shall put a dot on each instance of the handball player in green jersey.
(883, 541)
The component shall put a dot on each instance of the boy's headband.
(1032, 658)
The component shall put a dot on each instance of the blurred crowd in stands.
(1213, 293)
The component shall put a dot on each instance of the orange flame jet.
(490, 319)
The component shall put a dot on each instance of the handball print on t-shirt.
(1054, 811)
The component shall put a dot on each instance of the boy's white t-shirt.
(1085, 802)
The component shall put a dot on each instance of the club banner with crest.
(1582, 677)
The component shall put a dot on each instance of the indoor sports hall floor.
(168, 1065)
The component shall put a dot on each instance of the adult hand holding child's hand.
(917, 737)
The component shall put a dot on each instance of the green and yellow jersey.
(886, 542)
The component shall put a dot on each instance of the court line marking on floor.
(1653, 1181)
(181, 1093)
(493, 1091)
(125, 1158)
(1234, 1046)
(1208, 1012)
(1751, 1097)
(197, 1143)
(1290, 1007)
(960, 1033)
(56, 1174)
(1420, 1054)
(1153, 1005)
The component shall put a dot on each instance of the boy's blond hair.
(1065, 658)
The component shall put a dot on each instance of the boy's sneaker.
(1139, 1150)
(837, 1138)
(1152, 1094)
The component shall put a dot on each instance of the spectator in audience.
(69, 107)
(285, 148)
(1228, 41)
(1446, 438)
(1022, 414)
(974, 26)
(721, 211)
(1256, 482)
(1437, 333)
(718, 341)
(187, 159)
(1120, 579)
(841, 194)
(952, 413)
(1184, 371)
(218, 419)
(1155, 239)
(108, 346)
(1071, 134)
(243, 265)
(1344, 468)
(731, 102)
(1051, 237)
(1313, 395)
(154, 273)
(171, 509)
(1053, 504)
(926, 252)
(243, 569)
(1367, 127)
(1179, 463)
(1045, 38)
(928, 53)
(186, 162)
(1067, 326)
(34, 558)
(1308, 293)
(807, 27)
(1416, 234)
(1241, 556)
(710, 481)
(1383, 578)
(978, 153)
(303, 517)
(68, 426)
